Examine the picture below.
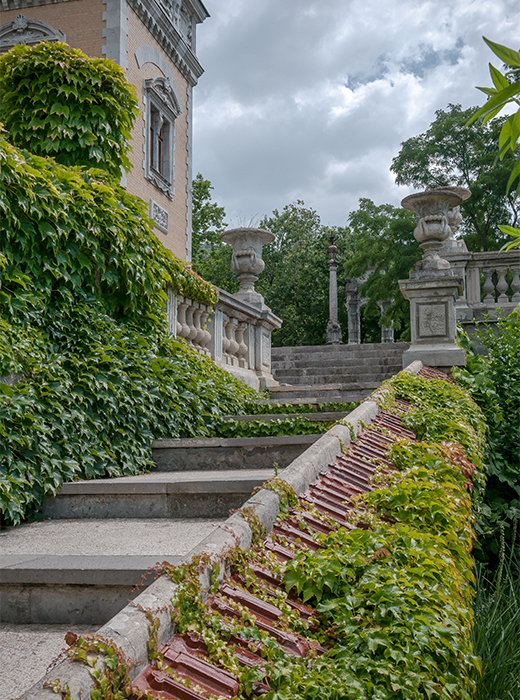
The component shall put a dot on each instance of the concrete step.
(229, 453)
(27, 652)
(350, 364)
(188, 494)
(345, 351)
(85, 571)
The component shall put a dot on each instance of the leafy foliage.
(506, 91)
(299, 425)
(57, 101)
(449, 153)
(210, 257)
(494, 383)
(496, 633)
(383, 244)
(255, 408)
(398, 595)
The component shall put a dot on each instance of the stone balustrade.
(491, 281)
(236, 334)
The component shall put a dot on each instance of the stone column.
(333, 328)
(433, 286)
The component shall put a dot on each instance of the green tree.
(295, 282)
(58, 102)
(383, 244)
(449, 153)
(210, 257)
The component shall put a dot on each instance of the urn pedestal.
(433, 286)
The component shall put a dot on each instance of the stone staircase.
(332, 373)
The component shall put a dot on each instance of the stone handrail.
(236, 334)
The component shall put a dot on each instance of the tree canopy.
(210, 257)
(382, 242)
(295, 282)
(451, 153)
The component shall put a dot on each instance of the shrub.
(493, 381)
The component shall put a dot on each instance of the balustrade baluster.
(502, 285)
(197, 315)
(488, 286)
(515, 284)
(225, 339)
(183, 330)
(242, 347)
(233, 345)
(206, 335)
(189, 320)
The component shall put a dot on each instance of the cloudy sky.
(311, 99)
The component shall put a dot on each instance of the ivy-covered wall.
(82, 308)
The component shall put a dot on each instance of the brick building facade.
(154, 41)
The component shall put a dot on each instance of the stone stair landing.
(333, 372)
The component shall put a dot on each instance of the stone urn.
(432, 209)
(451, 244)
(246, 261)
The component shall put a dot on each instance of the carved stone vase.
(432, 209)
(246, 261)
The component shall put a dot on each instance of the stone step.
(229, 453)
(85, 571)
(333, 375)
(329, 416)
(320, 393)
(188, 494)
(350, 364)
(345, 351)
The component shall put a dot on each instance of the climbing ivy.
(89, 373)
(57, 101)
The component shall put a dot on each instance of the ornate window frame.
(24, 30)
(162, 107)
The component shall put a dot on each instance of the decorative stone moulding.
(246, 261)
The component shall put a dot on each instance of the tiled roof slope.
(185, 656)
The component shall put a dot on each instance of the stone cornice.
(166, 34)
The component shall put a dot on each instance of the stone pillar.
(387, 332)
(333, 328)
(353, 304)
(433, 286)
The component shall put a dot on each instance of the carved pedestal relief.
(431, 320)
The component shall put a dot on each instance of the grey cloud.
(311, 100)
